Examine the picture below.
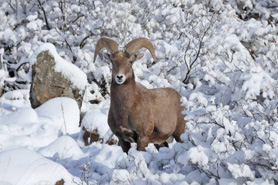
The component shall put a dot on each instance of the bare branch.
(272, 6)
(207, 172)
(201, 40)
(76, 19)
(10, 4)
(263, 166)
(83, 42)
(1, 62)
(67, 43)
(192, 63)
(44, 14)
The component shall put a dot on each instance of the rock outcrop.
(48, 82)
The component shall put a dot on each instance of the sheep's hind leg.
(125, 145)
(158, 146)
(142, 143)
(177, 137)
(179, 131)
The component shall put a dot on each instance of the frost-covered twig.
(64, 119)
(207, 172)
(189, 67)
(270, 167)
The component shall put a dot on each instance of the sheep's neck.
(123, 95)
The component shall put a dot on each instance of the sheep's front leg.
(142, 143)
(125, 145)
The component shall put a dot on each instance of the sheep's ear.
(139, 56)
(107, 56)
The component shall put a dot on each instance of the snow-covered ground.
(221, 55)
(41, 146)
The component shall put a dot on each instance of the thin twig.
(208, 173)
(263, 165)
(74, 20)
(12, 6)
(189, 68)
(44, 14)
(83, 42)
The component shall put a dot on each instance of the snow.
(195, 156)
(69, 150)
(64, 112)
(241, 171)
(34, 25)
(25, 126)
(94, 120)
(23, 166)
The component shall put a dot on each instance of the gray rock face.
(1, 92)
(48, 84)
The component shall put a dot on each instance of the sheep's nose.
(120, 77)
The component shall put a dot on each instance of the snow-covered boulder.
(24, 166)
(23, 128)
(95, 128)
(63, 112)
(55, 77)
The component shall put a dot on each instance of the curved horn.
(137, 44)
(109, 44)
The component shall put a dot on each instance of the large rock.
(53, 77)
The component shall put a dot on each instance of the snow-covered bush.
(236, 133)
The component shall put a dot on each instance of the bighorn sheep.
(138, 114)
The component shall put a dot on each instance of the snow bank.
(64, 147)
(37, 128)
(23, 166)
(22, 128)
(63, 112)
(21, 116)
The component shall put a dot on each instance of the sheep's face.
(122, 65)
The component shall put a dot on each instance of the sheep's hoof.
(60, 182)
